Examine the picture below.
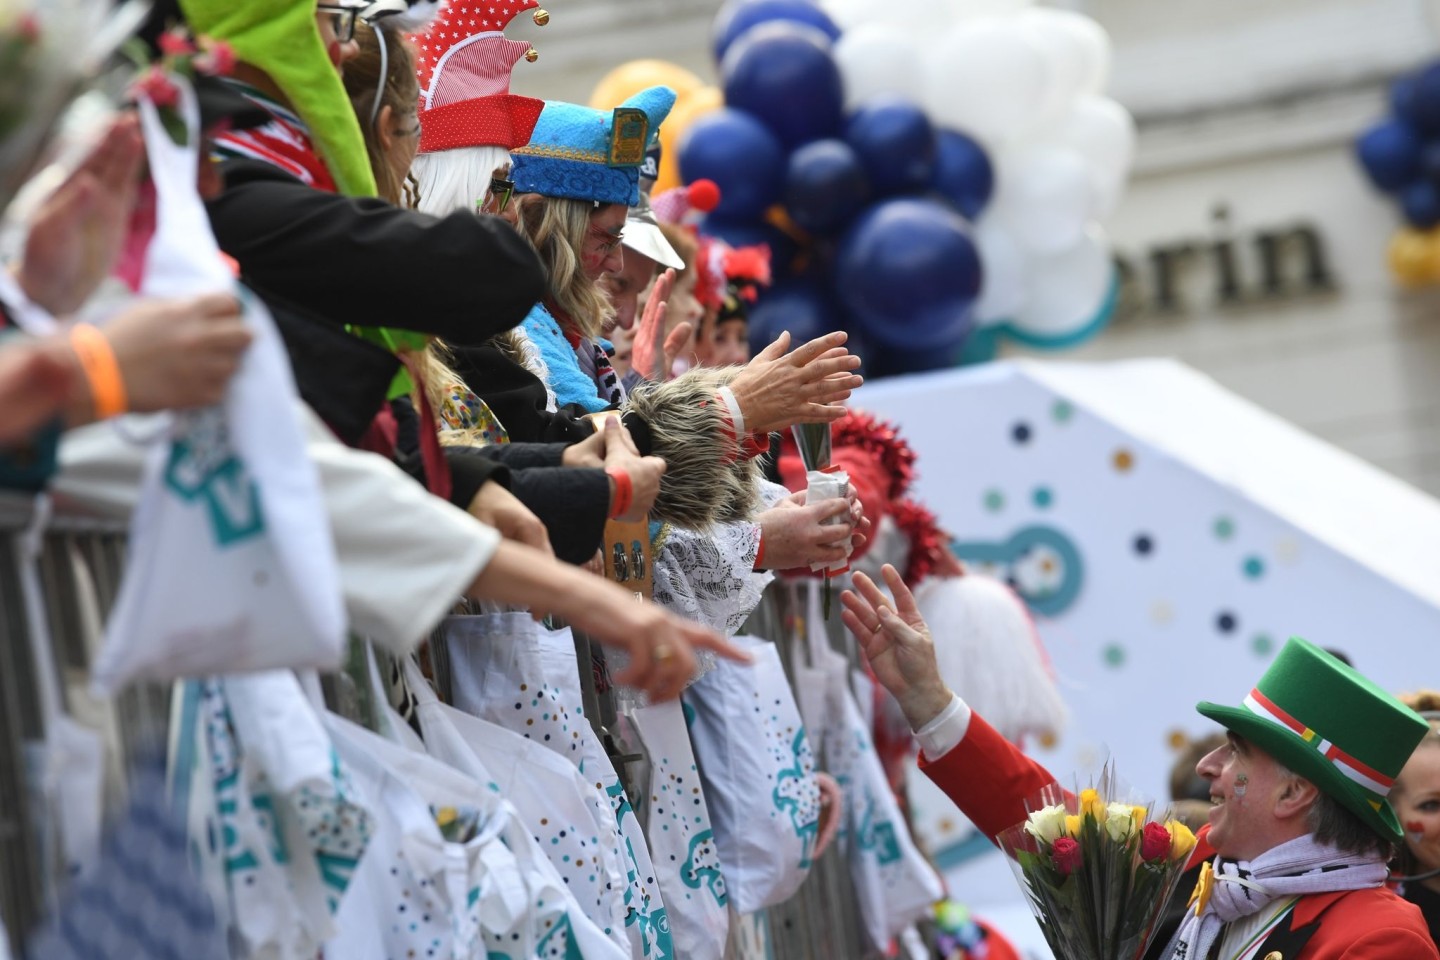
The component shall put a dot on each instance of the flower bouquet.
(1097, 873)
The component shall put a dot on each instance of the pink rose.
(174, 43)
(1065, 853)
(157, 88)
(1154, 842)
(218, 60)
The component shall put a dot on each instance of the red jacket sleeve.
(987, 777)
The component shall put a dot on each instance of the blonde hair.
(400, 92)
(556, 228)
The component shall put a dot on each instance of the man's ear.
(383, 124)
(1296, 798)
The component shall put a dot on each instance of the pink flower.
(174, 43)
(156, 87)
(218, 60)
(1066, 855)
(1154, 842)
(28, 28)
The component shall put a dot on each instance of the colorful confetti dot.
(1177, 739)
(1048, 740)
(1143, 544)
(1114, 655)
(1062, 411)
(1122, 460)
(1262, 644)
(994, 501)
(1161, 612)
(1253, 567)
(1020, 433)
(1042, 497)
(1224, 528)
(1287, 551)
(1225, 622)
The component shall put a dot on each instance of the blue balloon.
(963, 173)
(825, 186)
(909, 274)
(798, 304)
(1423, 104)
(898, 361)
(1420, 202)
(895, 143)
(740, 155)
(782, 73)
(1390, 152)
(748, 233)
(1402, 99)
(738, 16)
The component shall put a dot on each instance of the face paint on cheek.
(1241, 785)
(1415, 831)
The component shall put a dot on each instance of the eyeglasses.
(608, 241)
(499, 194)
(343, 19)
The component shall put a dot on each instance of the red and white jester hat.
(463, 62)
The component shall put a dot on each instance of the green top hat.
(1327, 723)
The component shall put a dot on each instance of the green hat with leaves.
(281, 38)
(1324, 721)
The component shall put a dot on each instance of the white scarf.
(1242, 888)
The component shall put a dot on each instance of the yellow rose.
(1072, 825)
(1137, 817)
(1091, 805)
(1047, 823)
(1182, 840)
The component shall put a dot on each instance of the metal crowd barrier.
(77, 569)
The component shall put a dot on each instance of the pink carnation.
(218, 60)
(156, 87)
(174, 43)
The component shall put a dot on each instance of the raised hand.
(649, 350)
(797, 536)
(807, 385)
(78, 231)
(897, 642)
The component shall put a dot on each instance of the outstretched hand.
(897, 642)
(806, 385)
(649, 351)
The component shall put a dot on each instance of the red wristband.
(760, 554)
(755, 444)
(624, 492)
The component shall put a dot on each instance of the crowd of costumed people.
(493, 471)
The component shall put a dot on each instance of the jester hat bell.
(585, 154)
(1332, 726)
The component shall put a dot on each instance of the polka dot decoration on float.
(1262, 645)
(1226, 623)
(1114, 656)
(1253, 568)
(1021, 433)
(994, 501)
(1042, 497)
(1122, 460)
(1143, 544)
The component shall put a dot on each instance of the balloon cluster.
(1401, 155)
(930, 188)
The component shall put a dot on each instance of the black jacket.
(364, 262)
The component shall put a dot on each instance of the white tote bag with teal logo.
(512, 671)
(230, 504)
(275, 823)
(682, 842)
(894, 883)
(543, 794)
(759, 776)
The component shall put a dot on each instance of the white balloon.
(975, 9)
(849, 14)
(1002, 262)
(1066, 290)
(1065, 54)
(878, 58)
(987, 78)
(1103, 132)
(1043, 197)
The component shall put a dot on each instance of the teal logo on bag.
(879, 837)
(797, 794)
(203, 468)
(702, 867)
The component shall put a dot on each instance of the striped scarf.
(284, 142)
(1231, 889)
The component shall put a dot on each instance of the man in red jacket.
(1292, 863)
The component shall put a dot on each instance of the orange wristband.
(624, 492)
(102, 372)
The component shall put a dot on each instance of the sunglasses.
(500, 192)
(343, 19)
(608, 241)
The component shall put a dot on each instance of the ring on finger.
(662, 652)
